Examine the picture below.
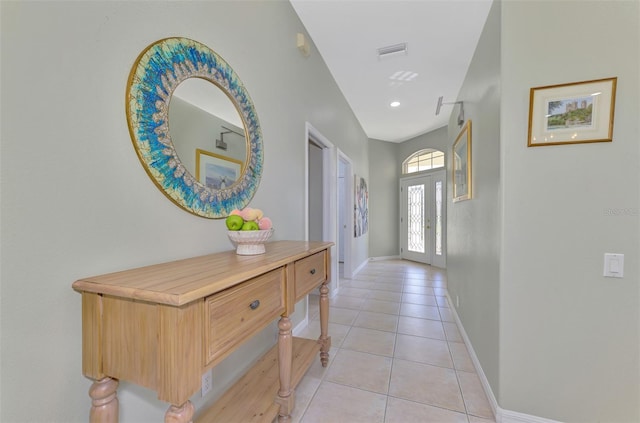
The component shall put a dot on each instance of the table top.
(183, 281)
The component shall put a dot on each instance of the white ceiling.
(441, 36)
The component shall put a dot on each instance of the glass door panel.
(415, 219)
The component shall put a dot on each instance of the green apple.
(250, 225)
(234, 222)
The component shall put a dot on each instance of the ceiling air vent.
(393, 50)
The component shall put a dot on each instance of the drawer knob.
(254, 304)
(312, 271)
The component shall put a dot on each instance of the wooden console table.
(162, 326)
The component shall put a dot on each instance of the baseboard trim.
(359, 268)
(384, 258)
(301, 326)
(502, 415)
(476, 363)
(508, 416)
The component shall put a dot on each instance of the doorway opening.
(345, 215)
(321, 200)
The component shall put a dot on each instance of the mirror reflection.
(207, 133)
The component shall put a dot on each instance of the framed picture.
(360, 207)
(579, 112)
(216, 171)
(462, 164)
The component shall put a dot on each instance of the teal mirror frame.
(158, 70)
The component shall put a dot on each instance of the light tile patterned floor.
(396, 355)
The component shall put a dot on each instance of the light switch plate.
(613, 265)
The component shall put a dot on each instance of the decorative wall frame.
(360, 207)
(578, 112)
(215, 170)
(461, 166)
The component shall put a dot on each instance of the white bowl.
(249, 243)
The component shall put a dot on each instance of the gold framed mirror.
(222, 185)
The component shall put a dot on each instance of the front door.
(415, 218)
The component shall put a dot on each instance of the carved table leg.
(325, 339)
(104, 404)
(285, 359)
(182, 414)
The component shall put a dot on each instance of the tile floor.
(396, 354)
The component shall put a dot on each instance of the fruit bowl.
(249, 243)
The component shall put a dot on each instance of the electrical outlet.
(207, 382)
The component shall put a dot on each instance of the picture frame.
(360, 207)
(573, 113)
(461, 166)
(216, 171)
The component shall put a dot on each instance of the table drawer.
(309, 273)
(234, 315)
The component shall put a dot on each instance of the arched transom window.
(423, 160)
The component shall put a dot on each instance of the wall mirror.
(184, 103)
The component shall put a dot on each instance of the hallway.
(396, 356)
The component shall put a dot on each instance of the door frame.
(425, 179)
(329, 199)
(347, 209)
(439, 174)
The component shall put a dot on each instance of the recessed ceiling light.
(394, 104)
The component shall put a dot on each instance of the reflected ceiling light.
(394, 104)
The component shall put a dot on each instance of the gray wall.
(569, 338)
(473, 226)
(75, 200)
(435, 139)
(383, 200)
(525, 256)
(386, 159)
(555, 338)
